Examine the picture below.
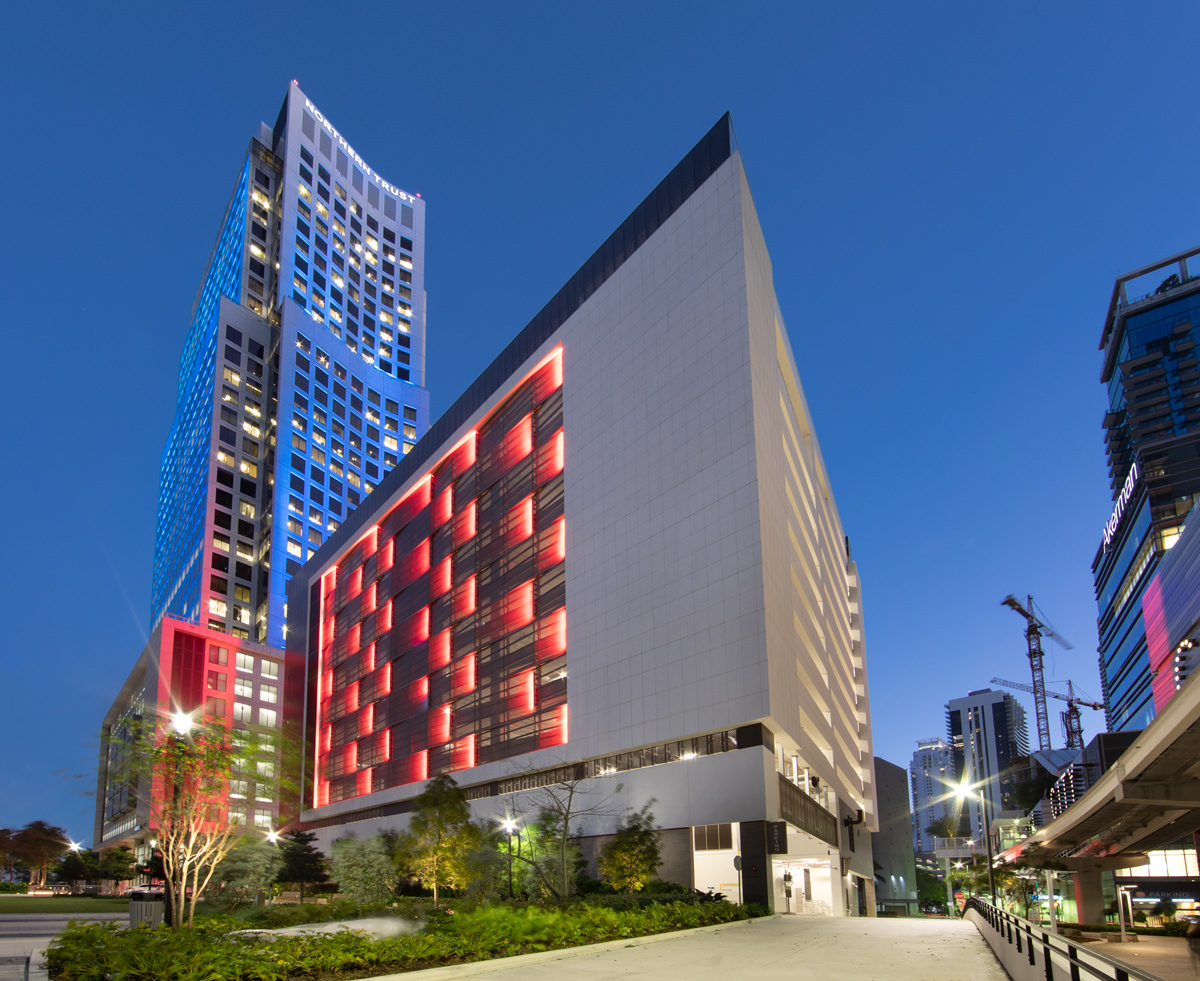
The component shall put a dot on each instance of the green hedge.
(217, 948)
(1177, 928)
(14, 888)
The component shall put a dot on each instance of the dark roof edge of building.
(717, 146)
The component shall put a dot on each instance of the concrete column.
(757, 886)
(871, 900)
(1089, 897)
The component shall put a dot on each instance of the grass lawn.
(63, 904)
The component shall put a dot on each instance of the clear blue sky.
(947, 192)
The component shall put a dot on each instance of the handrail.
(1056, 951)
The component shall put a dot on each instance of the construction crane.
(1033, 637)
(1070, 718)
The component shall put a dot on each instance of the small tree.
(8, 851)
(440, 837)
(188, 776)
(37, 845)
(943, 827)
(118, 864)
(363, 868)
(632, 856)
(1165, 909)
(303, 862)
(250, 868)
(550, 850)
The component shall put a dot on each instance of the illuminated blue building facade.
(302, 377)
(1152, 435)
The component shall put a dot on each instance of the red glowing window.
(439, 579)
(354, 639)
(352, 697)
(387, 555)
(518, 523)
(439, 650)
(368, 658)
(552, 635)
(518, 607)
(464, 524)
(464, 452)
(439, 725)
(463, 677)
(443, 507)
(548, 376)
(553, 730)
(387, 744)
(463, 757)
(385, 681)
(413, 631)
(550, 458)
(522, 694)
(518, 442)
(414, 565)
(368, 603)
(464, 599)
(364, 782)
(366, 721)
(356, 582)
(383, 622)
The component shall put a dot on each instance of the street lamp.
(964, 792)
(510, 828)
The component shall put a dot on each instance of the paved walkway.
(782, 948)
(1167, 957)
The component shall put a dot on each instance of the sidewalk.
(28, 934)
(1167, 957)
(779, 948)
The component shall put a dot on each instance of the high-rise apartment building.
(301, 379)
(986, 731)
(1151, 375)
(933, 781)
(615, 559)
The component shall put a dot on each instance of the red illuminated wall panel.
(465, 660)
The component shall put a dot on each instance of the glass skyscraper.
(1151, 374)
(301, 379)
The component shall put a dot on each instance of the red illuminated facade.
(440, 636)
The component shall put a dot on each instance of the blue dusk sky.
(947, 191)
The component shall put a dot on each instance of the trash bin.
(146, 909)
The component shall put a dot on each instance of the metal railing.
(1057, 956)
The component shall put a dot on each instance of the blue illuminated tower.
(301, 379)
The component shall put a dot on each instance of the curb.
(543, 956)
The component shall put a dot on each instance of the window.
(218, 655)
(242, 712)
(246, 509)
(214, 706)
(239, 788)
(262, 817)
(237, 813)
(266, 717)
(216, 680)
(712, 837)
(221, 542)
(245, 662)
(231, 376)
(243, 688)
(270, 669)
(265, 770)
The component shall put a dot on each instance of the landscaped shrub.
(216, 949)
(14, 888)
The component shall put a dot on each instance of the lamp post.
(510, 828)
(964, 792)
